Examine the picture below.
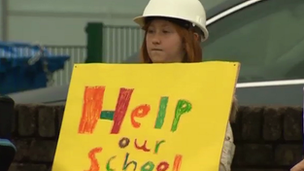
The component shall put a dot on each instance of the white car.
(266, 36)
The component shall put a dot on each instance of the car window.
(209, 4)
(267, 38)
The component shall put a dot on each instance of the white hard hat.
(187, 10)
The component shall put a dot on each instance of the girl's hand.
(299, 166)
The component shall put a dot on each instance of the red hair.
(191, 44)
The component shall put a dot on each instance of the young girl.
(174, 30)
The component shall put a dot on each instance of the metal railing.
(120, 42)
(77, 55)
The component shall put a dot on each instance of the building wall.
(2, 10)
(1, 27)
(62, 22)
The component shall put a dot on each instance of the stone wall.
(267, 138)
(35, 134)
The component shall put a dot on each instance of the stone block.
(46, 121)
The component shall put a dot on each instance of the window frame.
(232, 10)
(238, 9)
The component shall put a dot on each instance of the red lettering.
(121, 109)
(163, 166)
(92, 105)
(139, 112)
(177, 163)
(143, 147)
(92, 157)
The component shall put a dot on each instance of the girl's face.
(164, 45)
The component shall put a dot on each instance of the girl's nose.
(156, 39)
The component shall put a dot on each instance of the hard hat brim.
(140, 20)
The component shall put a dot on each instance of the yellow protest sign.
(146, 117)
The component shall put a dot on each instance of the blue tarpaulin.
(23, 66)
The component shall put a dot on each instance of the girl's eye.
(165, 31)
(150, 31)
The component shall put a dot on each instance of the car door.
(267, 37)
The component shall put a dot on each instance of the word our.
(93, 105)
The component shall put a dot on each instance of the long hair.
(192, 45)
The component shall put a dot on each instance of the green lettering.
(127, 164)
(182, 107)
(161, 113)
(108, 164)
(149, 166)
(158, 143)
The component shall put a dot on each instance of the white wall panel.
(62, 22)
